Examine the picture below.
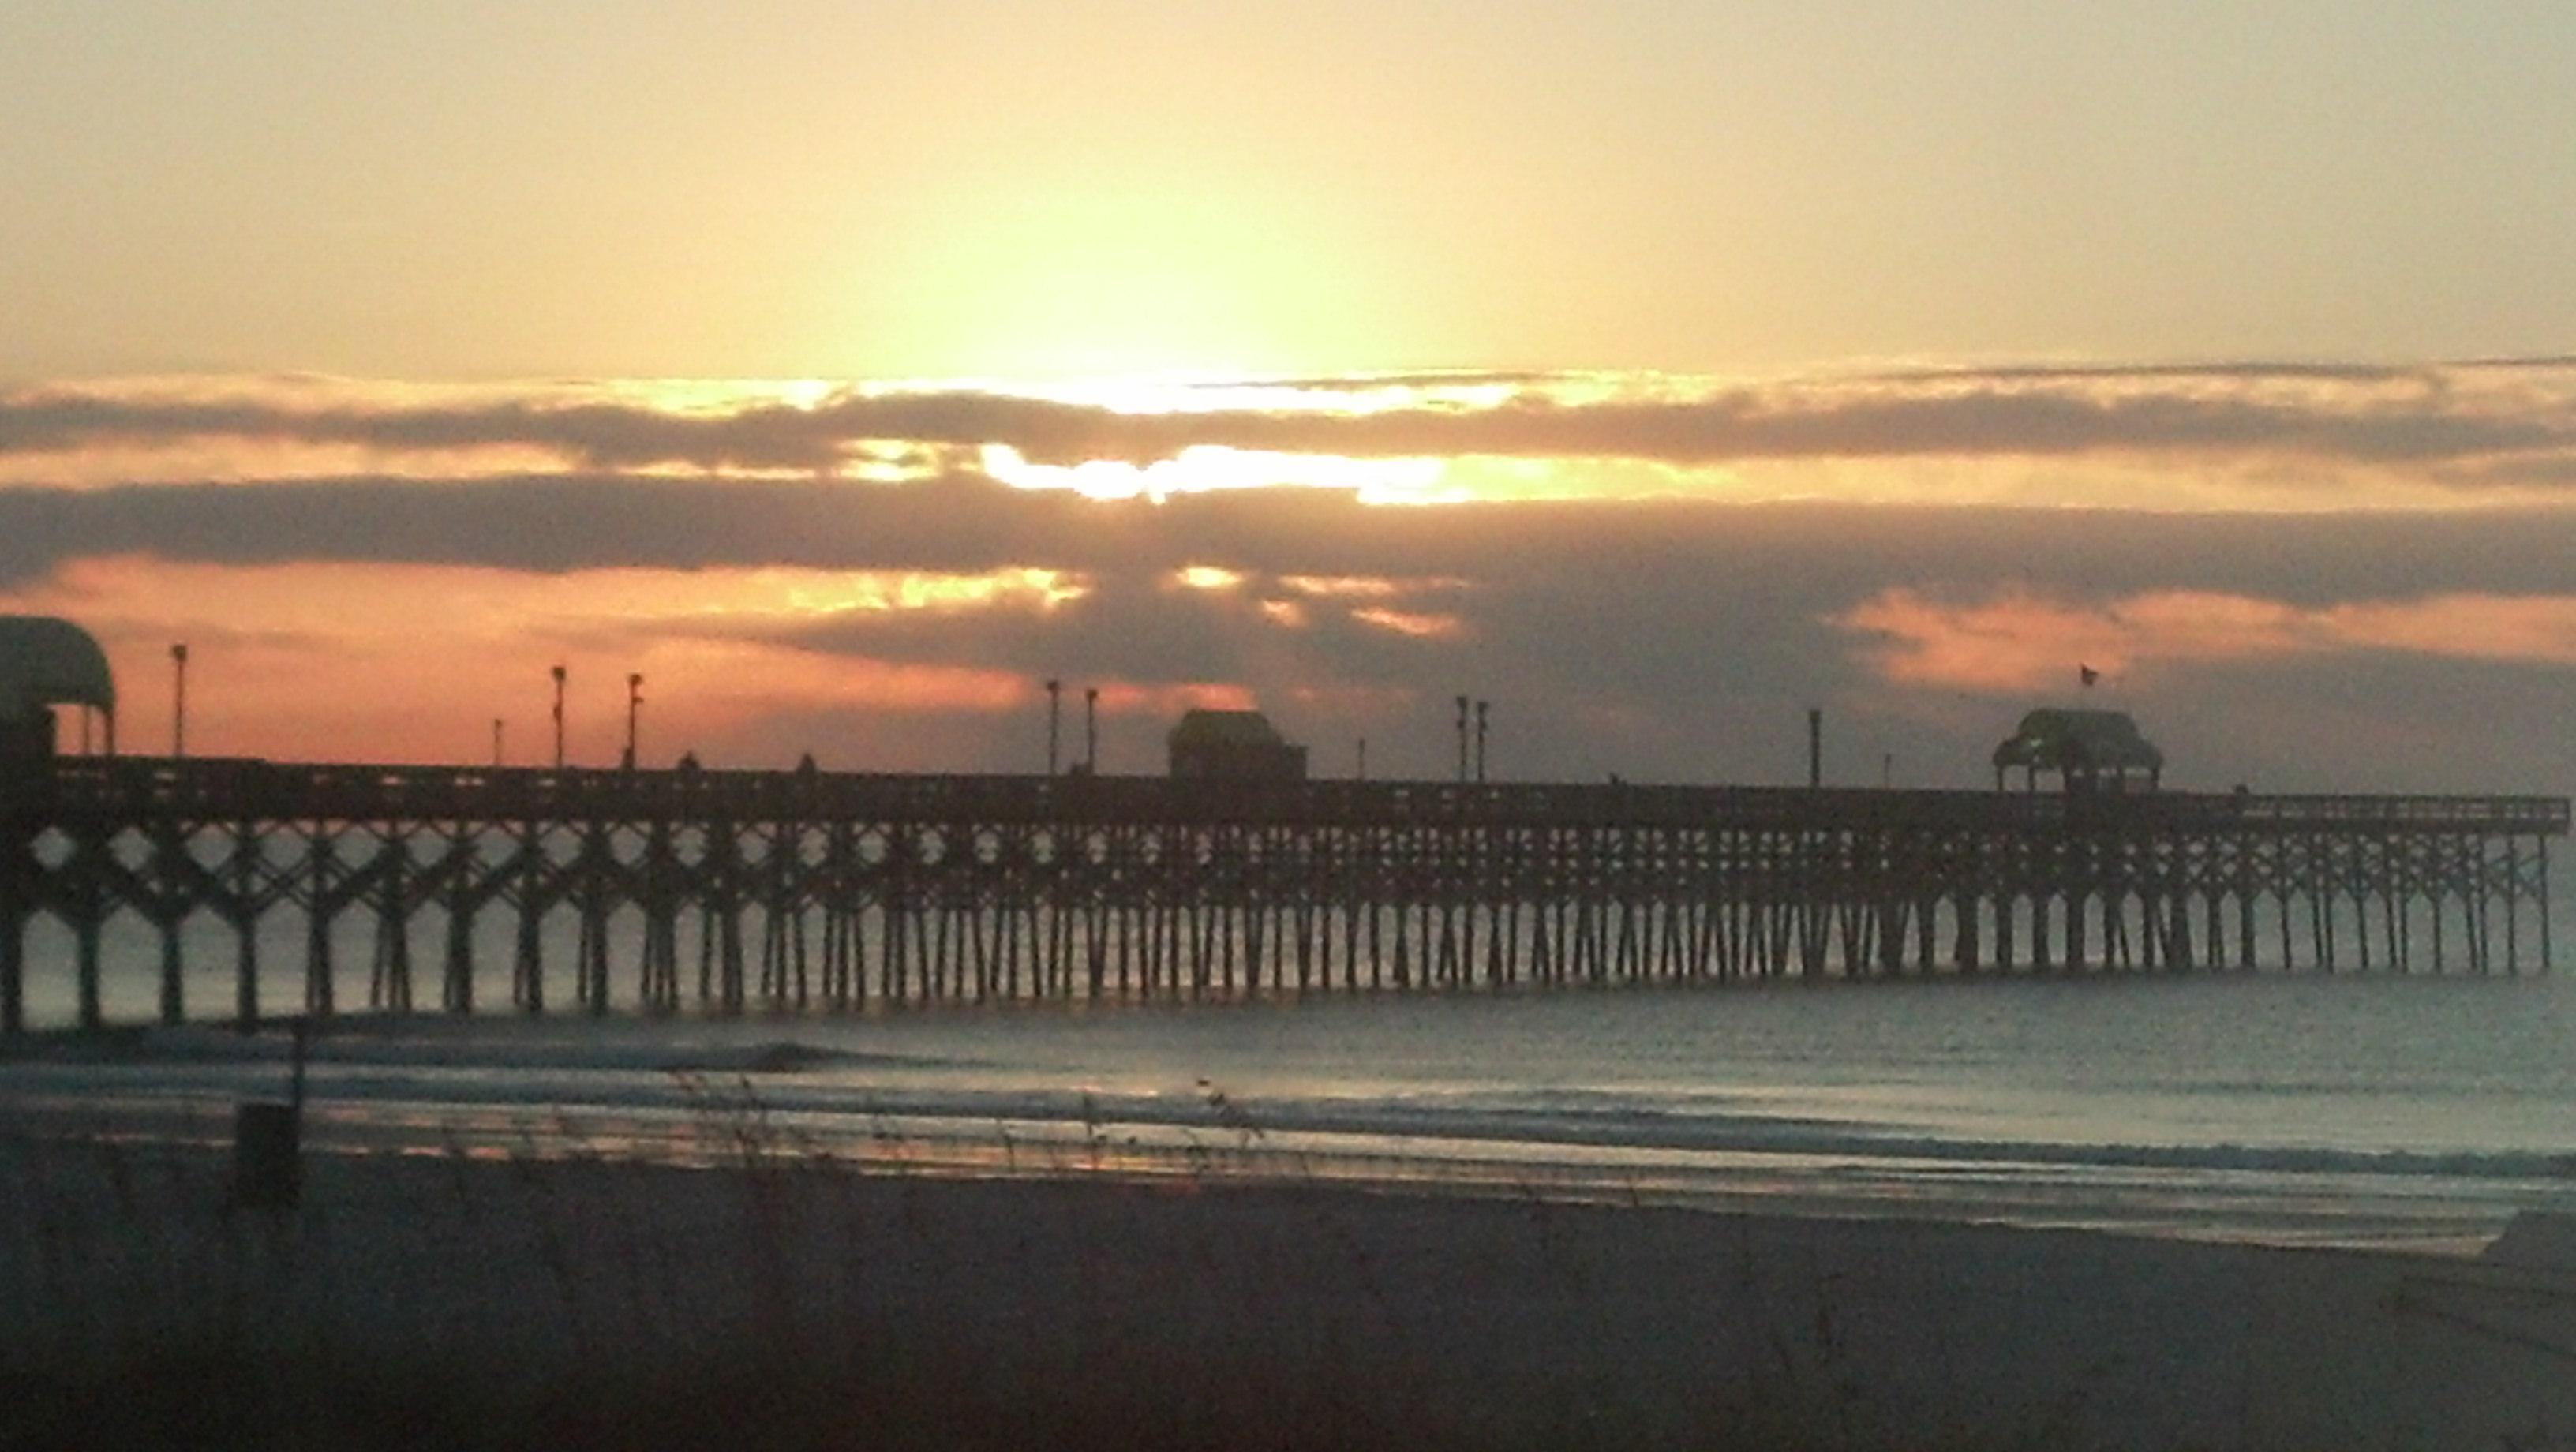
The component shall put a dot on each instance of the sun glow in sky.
(852, 371)
(1207, 466)
(977, 188)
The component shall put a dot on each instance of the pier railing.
(136, 789)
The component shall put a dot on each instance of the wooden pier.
(729, 891)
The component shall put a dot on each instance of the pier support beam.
(2543, 862)
(247, 905)
(13, 947)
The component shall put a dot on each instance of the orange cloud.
(414, 663)
(1370, 587)
(2017, 642)
(402, 602)
(1167, 701)
(2533, 629)
(1419, 625)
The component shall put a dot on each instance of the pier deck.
(834, 890)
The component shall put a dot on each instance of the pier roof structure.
(46, 661)
(2087, 749)
(1235, 745)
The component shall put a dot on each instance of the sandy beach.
(481, 1299)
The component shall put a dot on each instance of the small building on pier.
(1233, 746)
(2088, 751)
(44, 663)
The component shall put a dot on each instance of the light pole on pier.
(1091, 731)
(1481, 708)
(559, 722)
(634, 703)
(1055, 720)
(179, 700)
(1462, 738)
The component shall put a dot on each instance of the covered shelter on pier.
(47, 662)
(1233, 746)
(2088, 751)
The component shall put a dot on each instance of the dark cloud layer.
(967, 523)
(1663, 639)
(1657, 638)
(2352, 413)
(545, 523)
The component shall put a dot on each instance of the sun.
(1190, 270)
(1205, 468)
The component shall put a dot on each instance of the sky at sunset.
(1653, 370)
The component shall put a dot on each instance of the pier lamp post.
(1055, 719)
(179, 700)
(1462, 738)
(559, 693)
(1481, 708)
(1091, 731)
(634, 703)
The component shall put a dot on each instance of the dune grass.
(547, 1294)
(548, 1290)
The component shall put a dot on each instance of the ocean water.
(2382, 1110)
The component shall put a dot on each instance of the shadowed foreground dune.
(473, 1301)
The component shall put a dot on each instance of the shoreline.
(1048, 1310)
(524, 1089)
(1214, 1138)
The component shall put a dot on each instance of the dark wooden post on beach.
(268, 1139)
